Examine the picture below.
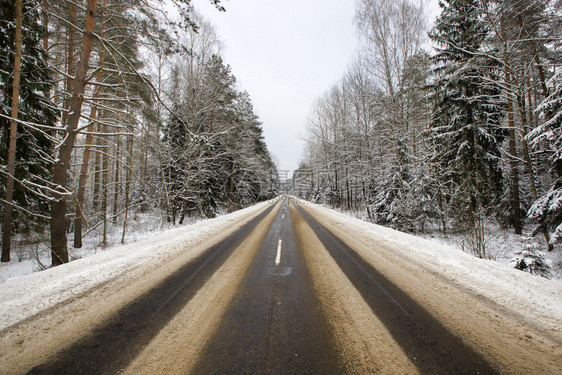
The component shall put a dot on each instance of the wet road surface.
(275, 324)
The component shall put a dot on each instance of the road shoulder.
(497, 334)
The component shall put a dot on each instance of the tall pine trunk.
(78, 220)
(59, 251)
(105, 183)
(128, 181)
(515, 198)
(529, 161)
(82, 179)
(7, 227)
(69, 62)
(97, 172)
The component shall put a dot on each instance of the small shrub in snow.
(533, 261)
(477, 239)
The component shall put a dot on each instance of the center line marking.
(278, 256)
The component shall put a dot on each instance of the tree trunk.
(116, 183)
(59, 251)
(46, 37)
(529, 161)
(165, 180)
(541, 76)
(128, 182)
(7, 227)
(105, 184)
(69, 62)
(183, 210)
(86, 155)
(516, 202)
(82, 180)
(97, 175)
(531, 106)
(46, 26)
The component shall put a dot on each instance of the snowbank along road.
(287, 288)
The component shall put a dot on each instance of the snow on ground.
(504, 246)
(501, 245)
(24, 296)
(533, 297)
(32, 253)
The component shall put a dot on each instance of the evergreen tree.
(467, 113)
(391, 205)
(34, 144)
(218, 157)
(176, 139)
(219, 122)
(250, 174)
(547, 210)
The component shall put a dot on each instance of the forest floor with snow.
(502, 245)
(32, 254)
(505, 247)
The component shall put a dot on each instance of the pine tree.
(250, 174)
(468, 111)
(216, 179)
(217, 156)
(34, 143)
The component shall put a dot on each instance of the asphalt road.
(285, 294)
(111, 346)
(274, 324)
(429, 345)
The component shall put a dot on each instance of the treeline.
(122, 105)
(445, 127)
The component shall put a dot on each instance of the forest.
(452, 124)
(111, 108)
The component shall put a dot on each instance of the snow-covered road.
(511, 318)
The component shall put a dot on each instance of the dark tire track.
(428, 344)
(110, 347)
(275, 325)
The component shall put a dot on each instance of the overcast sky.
(285, 54)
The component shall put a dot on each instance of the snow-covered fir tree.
(34, 142)
(218, 158)
(547, 210)
(467, 114)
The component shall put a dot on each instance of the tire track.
(275, 324)
(111, 346)
(511, 344)
(427, 343)
(178, 346)
(363, 343)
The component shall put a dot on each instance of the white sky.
(285, 54)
